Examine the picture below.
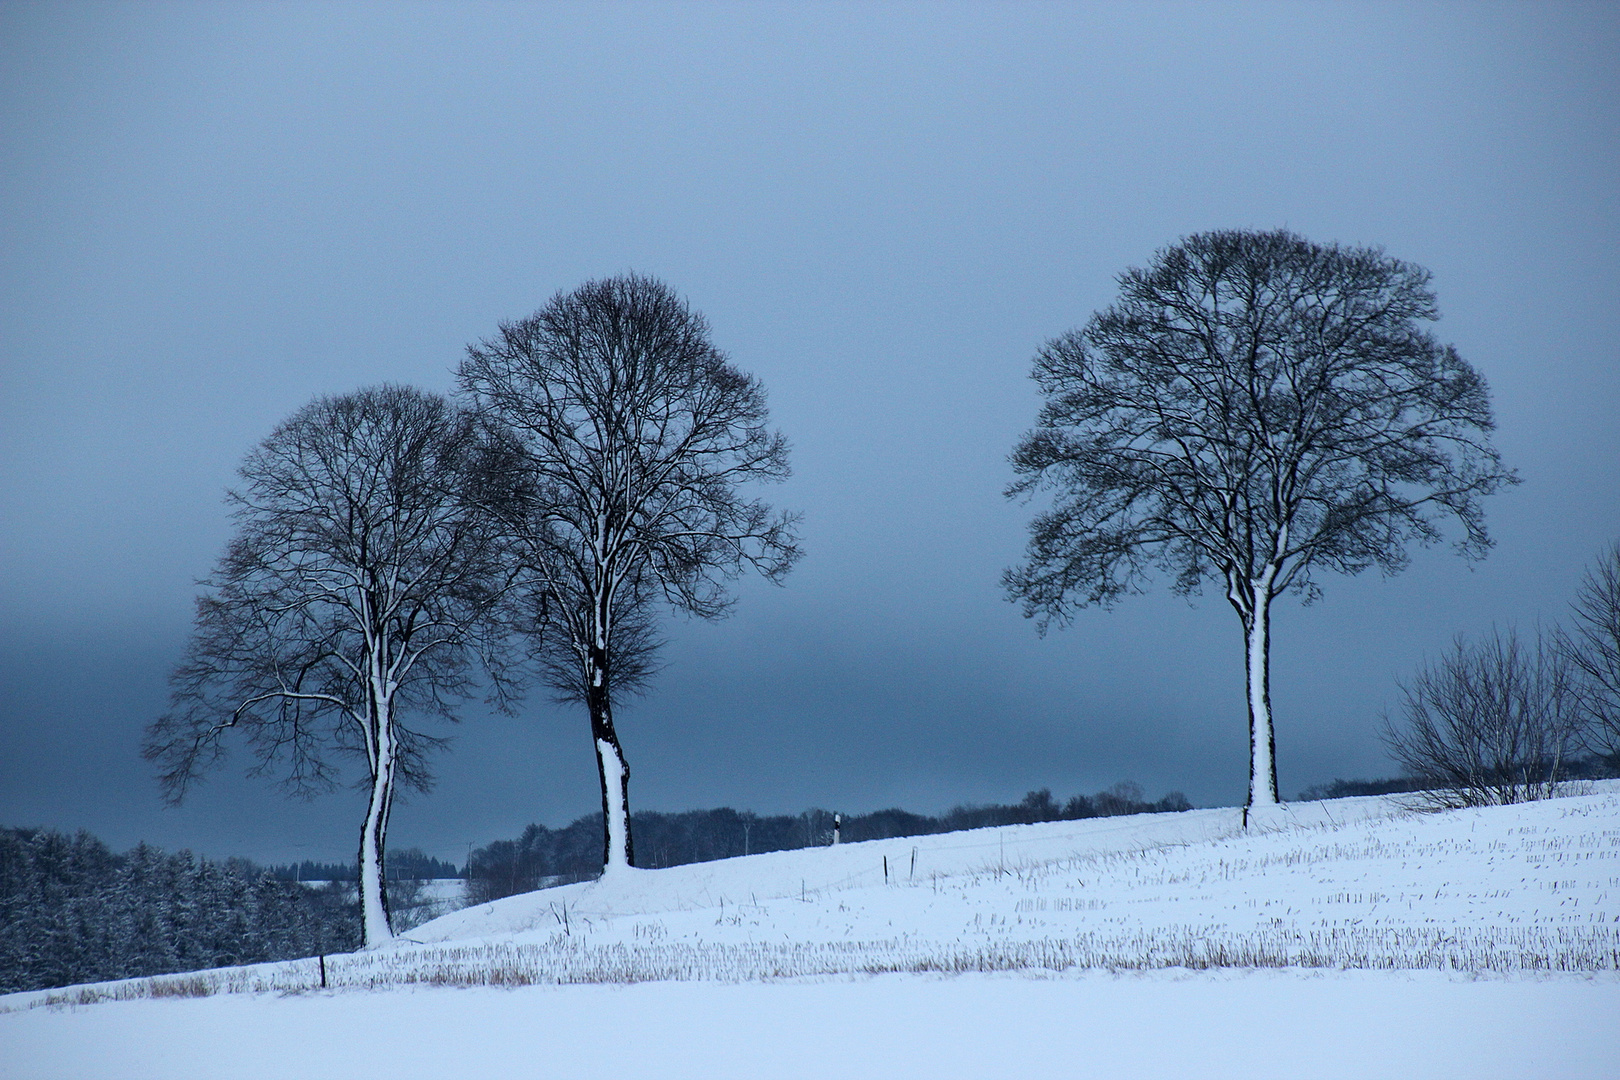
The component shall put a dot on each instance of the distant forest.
(543, 857)
(72, 911)
(411, 864)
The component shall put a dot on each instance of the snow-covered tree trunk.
(613, 771)
(375, 930)
(615, 776)
(1262, 738)
(373, 898)
(1252, 599)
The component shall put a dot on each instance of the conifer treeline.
(410, 864)
(72, 911)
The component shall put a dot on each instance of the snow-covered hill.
(1356, 890)
(1351, 883)
(1339, 884)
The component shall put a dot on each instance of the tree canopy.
(1253, 408)
(629, 439)
(359, 593)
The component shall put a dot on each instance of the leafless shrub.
(1593, 650)
(1487, 724)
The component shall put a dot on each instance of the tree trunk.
(1252, 599)
(614, 772)
(1262, 738)
(374, 926)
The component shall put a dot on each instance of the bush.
(1488, 724)
(1593, 650)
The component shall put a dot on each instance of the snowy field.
(1332, 939)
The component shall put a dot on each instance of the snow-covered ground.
(432, 899)
(1357, 1025)
(1341, 938)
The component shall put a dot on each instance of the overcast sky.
(211, 213)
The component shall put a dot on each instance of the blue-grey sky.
(210, 213)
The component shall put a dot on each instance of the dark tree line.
(1349, 789)
(1584, 767)
(543, 857)
(72, 911)
(411, 864)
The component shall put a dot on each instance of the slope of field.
(1369, 920)
(1338, 884)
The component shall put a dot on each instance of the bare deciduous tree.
(1252, 409)
(360, 588)
(1488, 724)
(629, 436)
(1594, 650)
